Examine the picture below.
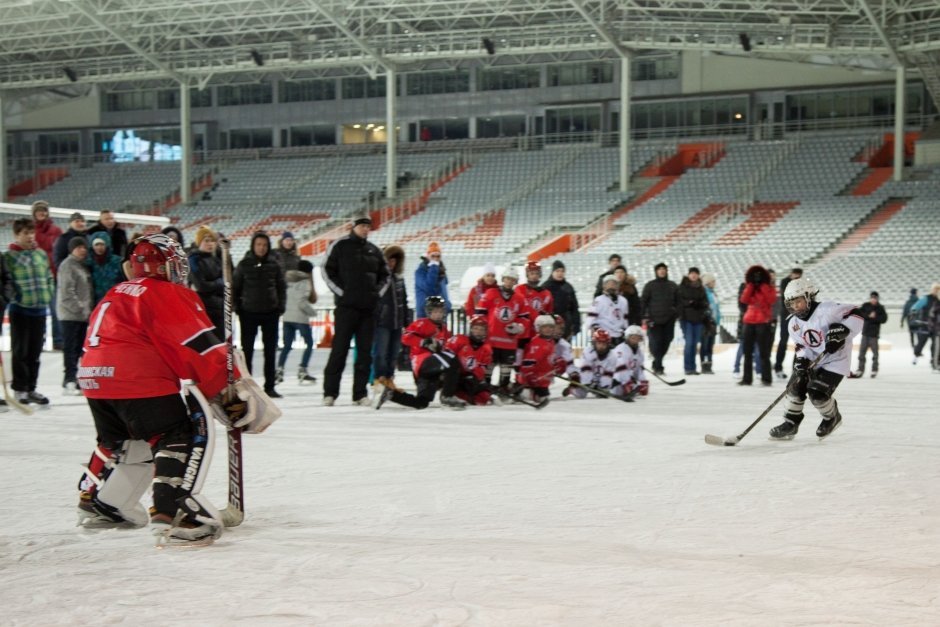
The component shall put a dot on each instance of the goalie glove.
(835, 337)
(245, 406)
(514, 328)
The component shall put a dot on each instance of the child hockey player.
(609, 310)
(564, 357)
(538, 361)
(475, 356)
(816, 328)
(538, 299)
(599, 365)
(630, 373)
(508, 318)
(433, 367)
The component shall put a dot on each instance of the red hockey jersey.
(418, 331)
(143, 337)
(501, 312)
(538, 363)
(538, 301)
(473, 360)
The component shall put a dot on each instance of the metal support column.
(900, 105)
(391, 135)
(186, 144)
(3, 154)
(624, 123)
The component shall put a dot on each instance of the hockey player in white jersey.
(630, 374)
(816, 328)
(564, 356)
(598, 368)
(609, 310)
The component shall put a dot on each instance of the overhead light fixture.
(369, 126)
(256, 57)
(489, 46)
(357, 125)
(379, 128)
(71, 74)
(745, 41)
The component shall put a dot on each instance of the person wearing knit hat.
(205, 276)
(74, 301)
(362, 219)
(75, 242)
(484, 283)
(431, 278)
(287, 254)
(47, 232)
(104, 265)
(564, 299)
(202, 233)
(660, 308)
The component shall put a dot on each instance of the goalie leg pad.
(114, 484)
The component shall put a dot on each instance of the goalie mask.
(158, 256)
(800, 297)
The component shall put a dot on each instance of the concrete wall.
(68, 114)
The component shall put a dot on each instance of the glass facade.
(490, 79)
(426, 83)
(573, 120)
(580, 74)
(363, 87)
(316, 135)
(129, 101)
(170, 98)
(654, 69)
(501, 126)
(250, 138)
(307, 91)
(841, 108)
(449, 128)
(723, 115)
(232, 95)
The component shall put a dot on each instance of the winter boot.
(787, 429)
(303, 376)
(707, 367)
(279, 376)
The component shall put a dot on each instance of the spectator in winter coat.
(660, 308)
(107, 224)
(795, 273)
(693, 309)
(175, 234)
(391, 321)
(205, 276)
(759, 296)
(431, 277)
(105, 266)
(564, 298)
(301, 296)
(612, 262)
(76, 227)
(712, 323)
(911, 301)
(874, 316)
(924, 317)
(287, 254)
(358, 276)
(487, 281)
(74, 302)
(47, 232)
(628, 290)
(259, 295)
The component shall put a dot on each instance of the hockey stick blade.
(24, 409)
(715, 440)
(669, 383)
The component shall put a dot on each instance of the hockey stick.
(669, 383)
(516, 399)
(715, 440)
(598, 391)
(234, 512)
(9, 398)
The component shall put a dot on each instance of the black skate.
(857, 374)
(453, 402)
(786, 430)
(304, 377)
(379, 399)
(828, 425)
(874, 373)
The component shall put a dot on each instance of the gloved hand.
(514, 328)
(431, 343)
(245, 405)
(835, 337)
(575, 376)
(643, 388)
(801, 366)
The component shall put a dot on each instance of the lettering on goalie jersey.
(131, 289)
(87, 376)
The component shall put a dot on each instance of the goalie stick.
(23, 408)
(234, 512)
(626, 399)
(715, 440)
(669, 383)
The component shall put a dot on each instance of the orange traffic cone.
(327, 340)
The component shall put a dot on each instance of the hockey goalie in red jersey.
(144, 337)
(475, 356)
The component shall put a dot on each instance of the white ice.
(585, 513)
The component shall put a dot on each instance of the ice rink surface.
(585, 513)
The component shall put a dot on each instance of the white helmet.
(634, 330)
(544, 321)
(800, 288)
(510, 272)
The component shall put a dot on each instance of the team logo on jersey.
(471, 363)
(537, 304)
(813, 338)
(504, 314)
(796, 328)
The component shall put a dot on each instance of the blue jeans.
(740, 355)
(692, 331)
(385, 349)
(289, 329)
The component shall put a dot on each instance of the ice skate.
(453, 402)
(33, 398)
(328, 401)
(874, 373)
(363, 402)
(828, 425)
(786, 430)
(381, 395)
(71, 389)
(858, 374)
(279, 376)
(389, 383)
(304, 377)
(182, 533)
(94, 515)
(781, 374)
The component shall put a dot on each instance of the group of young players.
(513, 329)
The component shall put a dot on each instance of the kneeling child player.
(538, 361)
(475, 356)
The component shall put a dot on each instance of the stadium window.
(170, 98)
(129, 101)
(316, 135)
(580, 74)
(53, 146)
(251, 138)
(307, 91)
(233, 95)
(654, 69)
(446, 128)
(363, 87)
(491, 79)
(448, 82)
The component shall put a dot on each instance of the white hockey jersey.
(563, 354)
(810, 335)
(631, 364)
(609, 314)
(597, 371)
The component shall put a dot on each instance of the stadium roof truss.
(54, 43)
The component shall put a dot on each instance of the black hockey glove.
(431, 344)
(835, 337)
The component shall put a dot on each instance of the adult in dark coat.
(107, 223)
(358, 276)
(564, 299)
(875, 315)
(660, 308)
(795, 273)
(259, 294)
(76, 229)
(205, 276)
(391, 320)
(906, 312)
(628, 290)
(612, 262)
(693, 307)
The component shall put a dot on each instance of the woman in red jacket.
(759, 295)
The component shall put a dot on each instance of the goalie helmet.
(800, 288)
(158, 256)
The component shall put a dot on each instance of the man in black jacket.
(564, 299)
(661, 307)
(693, 306)
(612, 262)
(259, 295)
(118, 235)
(875, 315)
(357, 275)
(795, 273)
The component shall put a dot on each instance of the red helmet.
(478, 321)
(159, 257)
(533, 266)
(600, 335)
